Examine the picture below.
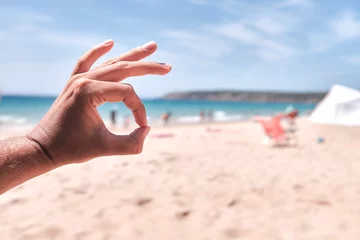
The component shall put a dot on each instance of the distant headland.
(253, 96)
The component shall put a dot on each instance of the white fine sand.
(202, 186)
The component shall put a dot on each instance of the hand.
(72, 131)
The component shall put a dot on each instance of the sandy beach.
(200, 185)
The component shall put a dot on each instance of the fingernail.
(149, 46)
(108, 42)
(165, 64)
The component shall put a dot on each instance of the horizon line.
(2, 94)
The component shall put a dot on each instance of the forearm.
(20, 160)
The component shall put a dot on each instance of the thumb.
(127, 144)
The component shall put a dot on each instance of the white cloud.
(320, 42)
(346, 26)
(264, 30)
(23, 26)
(269, 25)
(267, 49)
(202, 44)
(33, 49)
(236, 32)
(296, 3)
(355, 60)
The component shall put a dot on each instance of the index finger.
(122, 70)
(115, 92)
(88, 59)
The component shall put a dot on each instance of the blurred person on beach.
(289, 120)
(202, 116)
(72, 131)
(113, 114)
(126, 121)
(210, 116)
(166, 117)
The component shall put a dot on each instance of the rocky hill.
(312, 97)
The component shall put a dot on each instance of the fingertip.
(150, 46)
(167, 69)
(147, 130)
(140, 133)
(108, 42)
(142, 124)
(141, 120)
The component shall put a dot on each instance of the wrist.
(20, 160)
(41, 153)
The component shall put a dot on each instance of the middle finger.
(120, 71)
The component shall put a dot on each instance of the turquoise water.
(29, 110)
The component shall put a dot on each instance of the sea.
(26, 111)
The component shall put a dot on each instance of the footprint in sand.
(183, 214)
(305, 227)
(232, 233)
(80, 190)
(235, 233)
(81, 235)
(17, 201)
(60, 196)
(179, 203)
(100, 214)
(171, 159)
(51, 232)
(124, 164)
(63, 180)
(298, 187)
(322, 203)
(143, 201)
(232, 203)
(343, 226)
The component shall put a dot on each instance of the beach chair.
(290, 125)
(273, 129)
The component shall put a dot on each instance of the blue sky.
(290, 45)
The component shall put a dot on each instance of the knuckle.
(128, 88)
(111, 61)
(80, 86)
(141, 106)
(81, 83)
(81, 61)
(125, 68)
(153, 67)
(135, 51)
(76, 77)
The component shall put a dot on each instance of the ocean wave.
(218, 116)
(12, 120)
(6, 118)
